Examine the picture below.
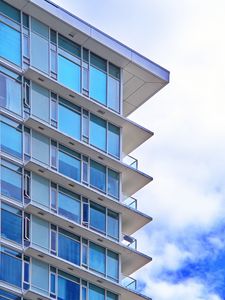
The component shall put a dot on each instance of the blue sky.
(186, 155)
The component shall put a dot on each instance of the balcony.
(131, 259)
(130, 283)
(34, 293)
(128, 215)
(131, 202)
(41, 254)
(133, 134)
(131, 161)
(130, 174)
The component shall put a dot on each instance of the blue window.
(98, 217)
(112, 265)
(10, 39)
(113, 224)
(97, 259)
(11, 137)
(113, 183)
(10, 91)
(69, 247)
(98, 132)
(11, 223)
(98, 85)
(11, 267)
(98, 176)
(6, 295)
(10, 11)
(39, 45)
(67, 289)
(69, 73)
(111, 296)
(69, 205)
(69, 46)
(69, 164)
(114, 140)
(11, 181)
(69, 119)
(96, 293)
(114, 88)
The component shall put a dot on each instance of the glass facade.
(41, 210)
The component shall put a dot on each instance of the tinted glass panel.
(10, 11)
(98, 85)
(98, 62)
(40, 147)
(11, 269)
(113, 224)
(97, 258)
(67, 289)
(40, 232)
(111, 296)
(10, 39)
(69, 121)
(11, 139)
(40, 102)
(69, 207)
(96, 293)
(112, 265)
(113, 183)
(114, 71)
(11, 182)
(98, 175)
(40, 190)
(98, 132)
(68, 249)
(113, 94)
(10, 94)
(40, 276)
(114, 140)
(69, 73)
(69, 46)
(69, 166)
(7, 295)
(11, 224)
(98, 217)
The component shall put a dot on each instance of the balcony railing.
(131, 202)
(131, 161)
(129, 283)
(129, 241)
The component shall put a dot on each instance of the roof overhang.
(142, 77)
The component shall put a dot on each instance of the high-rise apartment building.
(67, 212)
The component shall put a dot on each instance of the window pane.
(69, 166)
(40, 233)
(40, 190)
(98, 176)
(68, 249)
(112, 265)
(114, 71)
(98, 132)
(98, 217)
(113, 183)
(69, 46)
(68, 290)
(69, 121)
(10, 39)
(113, 224)
(10, 11)
(7, 295)
(40, 147)
(96, 293)
(114, 140)
(39, 28)
(69, 73)
(11, 139)
(69, 207)
(10, 94)
(113, 94)
(11, 183)
(111, 296)
(40, 102)
(11, 224)
(98, 85)
(98, 62)
(97, 258)
(40, 276)
(11, 269)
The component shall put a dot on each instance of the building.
(67, 212)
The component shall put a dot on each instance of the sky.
(186, 155)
